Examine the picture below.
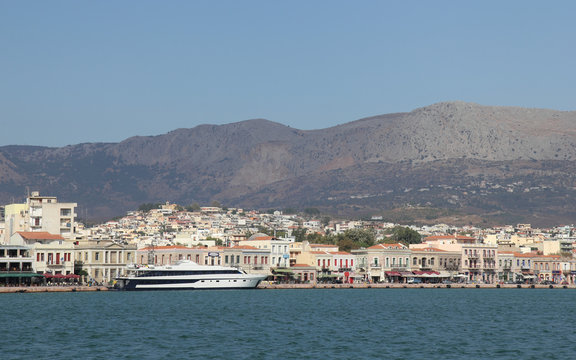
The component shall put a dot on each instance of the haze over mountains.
(470, 162)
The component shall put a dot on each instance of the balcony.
(399, 267)
(375, 266)
(53, 265)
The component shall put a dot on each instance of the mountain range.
(452, 161)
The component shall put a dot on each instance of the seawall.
(42, 289)
(412, 286)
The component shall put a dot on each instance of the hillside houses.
(267, 243)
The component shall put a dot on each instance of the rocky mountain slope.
(499, 162)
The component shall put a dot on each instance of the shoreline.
(44, 289)
(48, 289)
(413, 286)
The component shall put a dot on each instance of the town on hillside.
(43, 243)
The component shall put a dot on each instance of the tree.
(216, 203)
(361, 237)
(299, 234)
(193, 207)
(149, 206)
(404, 235)
(312, 211)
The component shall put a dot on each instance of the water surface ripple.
(291, 324)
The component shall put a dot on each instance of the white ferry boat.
(186, 275)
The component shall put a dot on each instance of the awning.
(19, 274)
(328, 275)
(406, 273)
(392, 273)
(287, 271)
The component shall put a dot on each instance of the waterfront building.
(251, 259)
(304, 273)
(447, 263)
(279, 248)
(384, 262)
(42, 214)
(507, 271)
(103, 260)
(51, 253)
(547, 268)
(16, 266)
(478, 262)
(170, 254)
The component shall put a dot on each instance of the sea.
(291, 324)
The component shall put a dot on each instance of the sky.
(102, 71)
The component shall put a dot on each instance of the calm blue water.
(291, 324)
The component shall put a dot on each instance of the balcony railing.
(399, 267)
(55, 265)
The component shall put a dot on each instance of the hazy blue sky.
(102, 71)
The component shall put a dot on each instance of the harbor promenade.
(43, 289)
(268, 286)
(412, 286)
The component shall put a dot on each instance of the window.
(226, 259)
(96, 256)
(415, 261)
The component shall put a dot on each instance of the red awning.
(72, 276)
(48, 275)
(392, 273)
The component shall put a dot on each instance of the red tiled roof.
(429, 249)
(39, 235)
(171, 247)
(246, 247)
(262, 238)
(387, 246)
(439, 237)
